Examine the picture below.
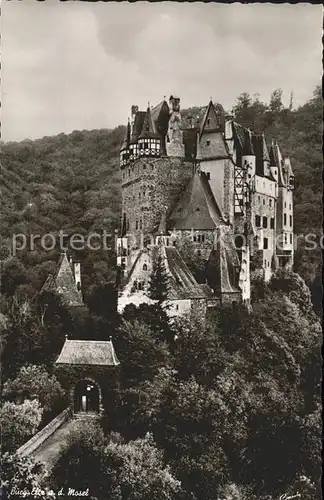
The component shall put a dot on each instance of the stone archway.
(86, 397)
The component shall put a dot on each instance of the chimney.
(77, 274)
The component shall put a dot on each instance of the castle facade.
(215, 190)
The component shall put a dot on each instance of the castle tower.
(284, 219)
(174, 145)
(215, 162)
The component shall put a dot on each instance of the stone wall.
(150, 186)
(33, 443)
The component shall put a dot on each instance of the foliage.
(141, 352)
(158, 285)
(19, 422)
(35, 381)
(22, 474)
(112, 468)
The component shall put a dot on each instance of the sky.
(76, 65)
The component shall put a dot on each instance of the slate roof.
(127, 137)
(212, 115)
(197, 207)
(182, 284)
(226, 263)
(190, 136)
(88, 352)
(148, 129)
(138, 125)
(261, 153)
(63, 283)
(243, 139)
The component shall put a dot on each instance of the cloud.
(79, 65)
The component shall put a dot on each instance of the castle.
(215, 189)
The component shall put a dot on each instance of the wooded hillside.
(71, 183)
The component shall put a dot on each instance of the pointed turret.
(124, 150)
(127, 138)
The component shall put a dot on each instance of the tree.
(158, 286)
(276, 105)
(19, 422)
(33, 380)
(197, 351)
(111, 468)
(140, 351)
(22, 476)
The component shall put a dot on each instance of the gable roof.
(63, 283)
(197, 207)
(213, 123)
(88, 352)
(180, 280)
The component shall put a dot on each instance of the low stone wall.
(33, 443)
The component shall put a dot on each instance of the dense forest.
(226, 409)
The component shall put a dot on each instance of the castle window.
(285, 219)
(259, 198)
(257, 220)
(285, 204)
(265, 243)
(195, 239)
(291, 238)
(289, 206)
(197, 209)
(128, 172)
(270, 202)
(272, 223)
(199, 253)
(177, 307)
(208, 143)
(263, 201)
(290, 220)
(141, 224)
(137, 224)
(265, 223)
(208, 121)
(286, 238)
(144, 167)
(144, 267)
(202, 238)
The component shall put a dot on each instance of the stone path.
(48, 452)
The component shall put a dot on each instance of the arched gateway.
(90, 365)
(86, 397)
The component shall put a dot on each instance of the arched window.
(144, 267)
